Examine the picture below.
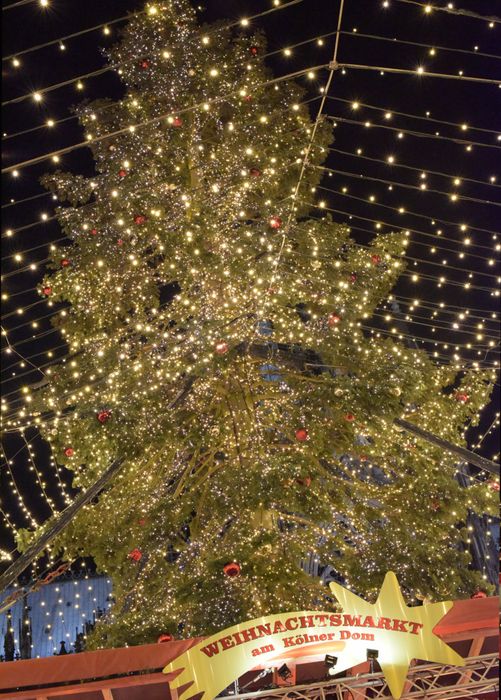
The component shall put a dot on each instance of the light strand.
(124, 130)
(412, 132)
(452, 11)
(398, 164)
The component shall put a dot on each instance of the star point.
(402, 633)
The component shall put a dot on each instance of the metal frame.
(430, 681)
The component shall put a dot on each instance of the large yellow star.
(394, 657)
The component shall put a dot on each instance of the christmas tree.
(216, 342)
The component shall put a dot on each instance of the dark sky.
(453, 101)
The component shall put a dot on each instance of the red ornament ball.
(164, 638)
(145, 64)
(140, 219)
(479, 594)
(494, 485)
(461, 397)
(120, 241)
(47, 291)
(376, 259)
(93, 232)
(333, 320)
(135, 554)
(254, 50)
(353, 277)
(65, 262)
(302, 435)
(177, 122)
(306, 482)
(104, 416)
(232, 569)
(122, 173)
(349, 417)
(255, 172)
(275, 222)
(141, 522)
(69, 452)
(248, 98)
(222, 347)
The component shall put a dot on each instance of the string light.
(194, 351)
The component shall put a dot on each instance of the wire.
(88, 143)
(425, 46)
(115, 67)
(400, 335)
(304, 255)
(26, 199)
(433, 341)
(409, 167)
(40, 262)
(10, 232)
(361, 176)
(460, 308)
(56, 86)
(29, 306)
(412, 213)
(411, 315)
(412, 116)
(36, 247)
(53, 122)
(480, 441)
(25, 268)
(457, 284)
(435, 247)
(37, 354)
(136, 14)
(408, 257)
(32, 266)
(54, 348)
(453, 11)
(36, 338)
(435, 236)
(427, 261)
(434, 326)
(16, 4)
(271, 53)
(426, 74)
(68, 36)
(410, 132)
(16, 294)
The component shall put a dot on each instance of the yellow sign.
(397, 632)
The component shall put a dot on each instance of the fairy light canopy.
(413, 152)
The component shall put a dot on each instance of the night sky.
(439, 222)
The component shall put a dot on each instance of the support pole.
(37, 547)
(462, 452)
